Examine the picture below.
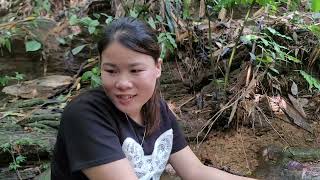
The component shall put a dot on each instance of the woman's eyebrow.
(135, 64)
(108, 64)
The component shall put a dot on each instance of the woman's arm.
(189, 167)
(116, 170)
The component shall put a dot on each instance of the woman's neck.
(137, 118)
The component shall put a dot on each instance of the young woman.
(123, 130)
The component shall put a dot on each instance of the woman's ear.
(158, 67)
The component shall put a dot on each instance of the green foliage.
(109, 19)
(315, 29)
(78, 49)
(186, 7)
(32, 45)
(17, 162)
(4, 80)
(5, 40)
(272, 52)
(313, 82)
(133, 13)
(42, 6)
(316, 5)
(93, 76)
(90, 24)
(218, 4)
(6, 147)
(24, 141)
(167, 43)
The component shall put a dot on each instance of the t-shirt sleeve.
(90, 138)
(179, 141)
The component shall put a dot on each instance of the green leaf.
(91, 29)
(95, 81)
(86, 76)
(7, 43)
(159, 18)
(94, 23)
(19, 76)
(109, 20)
(96, 71)
(294, 59)
(265, 60)
(252, 56)
(315, 29)
(265, 42)
(20, 159)
(78, 49)
(86, 21)
(248, 38)
(32, 45)
(274, 32)
(315, 5)
(171, 40)
(73, 20)
(133, 13)
(61, 40)
(96, 15)
(313, 82)
(163, 51)
(274, 70)
(152, 23)
(186, 7)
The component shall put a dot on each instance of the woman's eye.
(110, 71)
(136, 70)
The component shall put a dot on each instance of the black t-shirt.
(94, 132)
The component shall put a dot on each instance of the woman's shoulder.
(91, 97)
(90, 106)
(167, 114)
(93, 101)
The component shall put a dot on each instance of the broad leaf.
(94, 23)
(91, 29)
(78, 49)
(316, 5)
(73, 20)
(32, 45)
(61, 40)
(86, 76)
(311, 80)
(152, 23)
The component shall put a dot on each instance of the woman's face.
(128, 77)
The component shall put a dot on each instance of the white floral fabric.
(151, 166)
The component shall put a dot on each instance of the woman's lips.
(125, 99)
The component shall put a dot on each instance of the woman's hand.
(116, 170)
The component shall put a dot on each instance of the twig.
(11, 24)
(250, 64)
(244, 152)
(243, 93)
(186, 102)
(235, 46)
(266, 119)
(177, 65)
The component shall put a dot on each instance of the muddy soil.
(236, 149)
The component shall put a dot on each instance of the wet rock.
(289, 164)
(39, 88)
(4, 7)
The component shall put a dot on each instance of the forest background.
(242, 77)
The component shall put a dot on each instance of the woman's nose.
(123, 83)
